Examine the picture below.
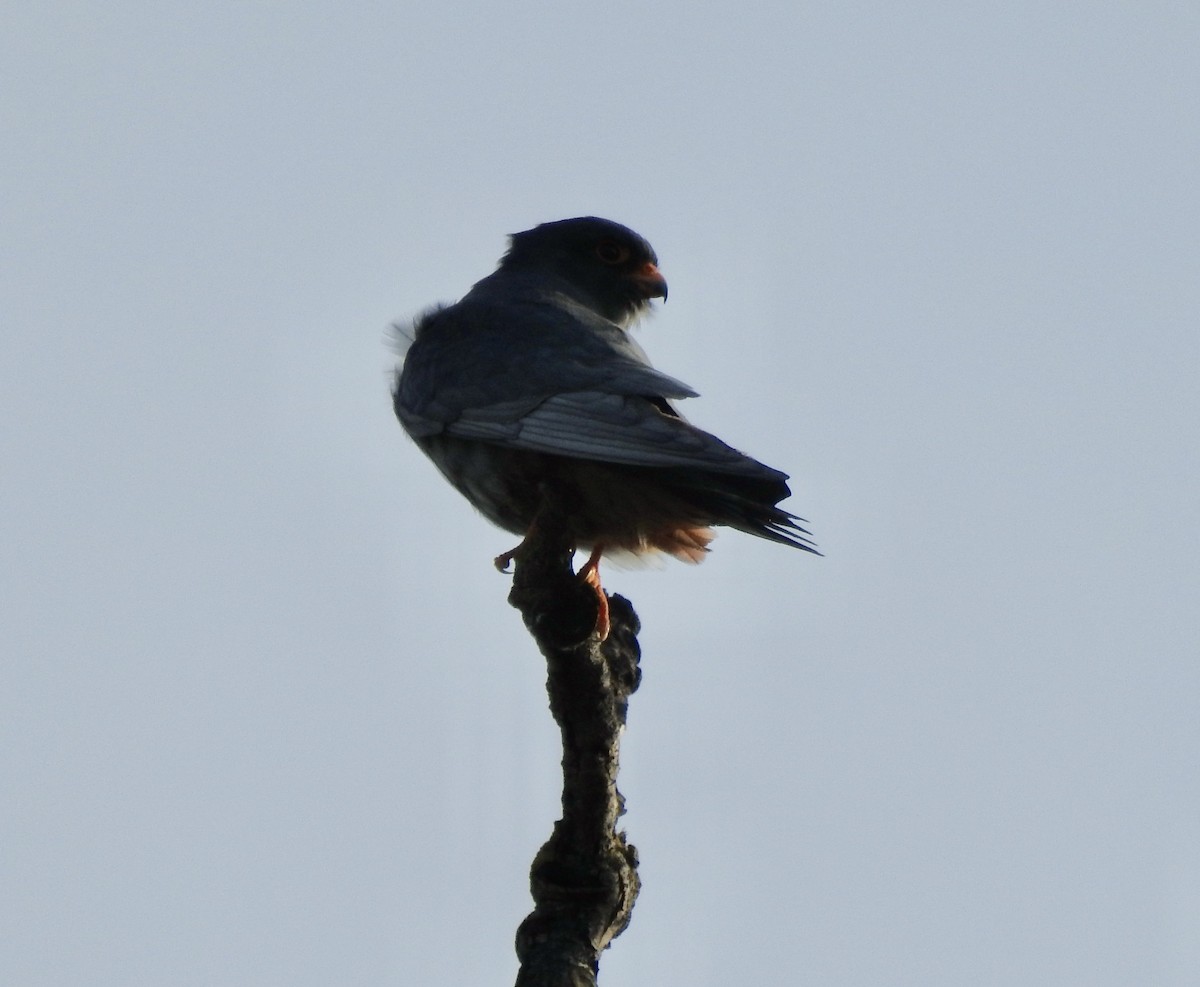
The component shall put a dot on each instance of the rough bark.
(584, 879)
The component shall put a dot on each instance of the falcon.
(531, 384)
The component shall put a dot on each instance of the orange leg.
(590, 574)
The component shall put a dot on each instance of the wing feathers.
(611, 428)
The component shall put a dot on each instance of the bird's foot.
(504, 559)
(590, 574)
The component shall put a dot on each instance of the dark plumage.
(532, 381)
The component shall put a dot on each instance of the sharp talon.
(504, 560)
(603, 623)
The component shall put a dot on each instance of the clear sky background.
(265, 715)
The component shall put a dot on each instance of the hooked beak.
(650, 281)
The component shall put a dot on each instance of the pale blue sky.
(265, 715)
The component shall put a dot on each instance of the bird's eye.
(611, 252)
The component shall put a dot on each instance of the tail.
(746, 503)
(769, 522)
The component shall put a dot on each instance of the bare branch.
(584, 879)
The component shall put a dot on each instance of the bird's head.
(610, 268)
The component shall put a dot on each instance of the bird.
(532, 382)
